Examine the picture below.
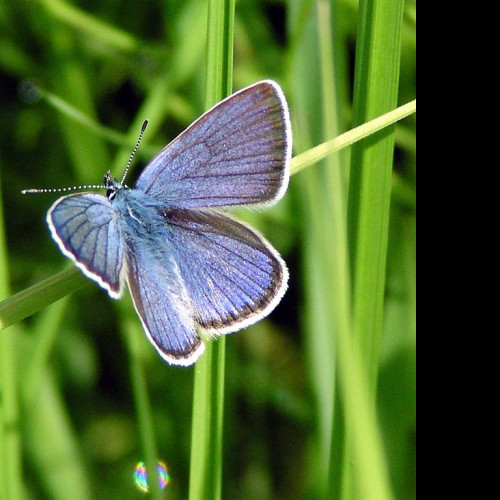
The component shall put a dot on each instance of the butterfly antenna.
(144, 125)
(92, 186)
(61, 190)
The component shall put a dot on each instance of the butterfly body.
(190, 266)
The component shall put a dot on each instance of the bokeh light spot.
(29, 91)
(141, 476)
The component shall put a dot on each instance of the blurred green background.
(118, 62)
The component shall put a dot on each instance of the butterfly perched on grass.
(189, 266)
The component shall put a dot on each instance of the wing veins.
(253, 116)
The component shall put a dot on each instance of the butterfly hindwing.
(233, 276)
(86, 228)
(235, 154)
(162, 303)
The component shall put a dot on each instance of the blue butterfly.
(189, 266)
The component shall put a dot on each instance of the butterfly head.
(111, 185)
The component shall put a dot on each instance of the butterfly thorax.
(138, 212)
(140, 215)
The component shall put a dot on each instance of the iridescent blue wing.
(232, 275)
(86, 228)
(162, 303)
(237, 153)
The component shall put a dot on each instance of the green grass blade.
(376, 92)
(336, 259)
(207, 432)
(321, 151)
(10, 437)
(206, 441)
(33, 299)
(365, 475)
(219, 78)
(376, 84)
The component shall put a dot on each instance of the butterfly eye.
(111, 193)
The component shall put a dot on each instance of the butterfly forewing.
(235, 154)
(87, 230)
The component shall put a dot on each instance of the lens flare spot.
(141, 476)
